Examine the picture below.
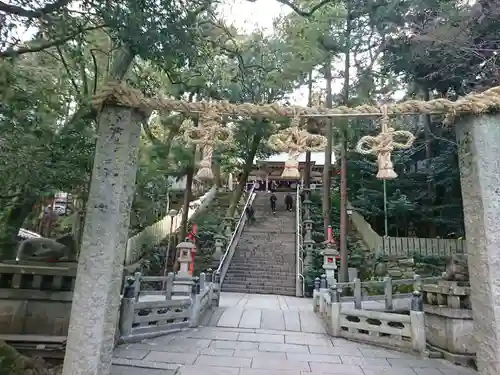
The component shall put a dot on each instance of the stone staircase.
(264, 261)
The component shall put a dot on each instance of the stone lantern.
(185, 249)
(330, 256)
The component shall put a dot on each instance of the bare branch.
(299, 11)
(40, 46)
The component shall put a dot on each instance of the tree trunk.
(216, 170)
(327, 180)
(307, 170)
(188, 193)
(426, 120)
(344, 253)
(247, 168)
(96, 296)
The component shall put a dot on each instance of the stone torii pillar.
(479, 158)
(96, 297)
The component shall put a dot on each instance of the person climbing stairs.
(264, 260)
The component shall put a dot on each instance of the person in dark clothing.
(302, 196)
(289, 202)
(250, 214)
(273, 200)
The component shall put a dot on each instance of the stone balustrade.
(35, 298)
(361, 290)
(391, 330)
(179, 303)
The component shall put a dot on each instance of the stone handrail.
(144, 314)
(391, 330)
(371, 238)
(231, 246)
(156, 232)
(359, 287)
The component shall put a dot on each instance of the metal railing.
(228, 254)
(299, 248)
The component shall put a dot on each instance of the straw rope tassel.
(205, 172)
(295, 141)
(383, 144)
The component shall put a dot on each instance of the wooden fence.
(404, 246)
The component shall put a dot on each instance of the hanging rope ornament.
(295, 141)
(206, 136)
(383, 144)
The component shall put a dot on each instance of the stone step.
(277, 291)
(260, 272)
(266, 268)
(259, 284)
(253, 279)
(286, 259)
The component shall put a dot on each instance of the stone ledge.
(145, 364)
(449, 312)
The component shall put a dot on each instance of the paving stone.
(236, 345)
(273, 319)
(380, 370)
(257, 354)
(307, 339)
(257, 337)
(418, 363)
(181, 344)
(206, 360)
(230, 318)
(287, 348)
(273, 364)
(427, 371)
(203, 370)
(321, 358)
(382, 353)
(309, 322)
(127, 370)
(140, 364)
(367, 361)
(251, 318)
(458, 370)
(214, 335)
(335, 350)
(257, 371)
(216, 352)
(179, 358)
(292, 320)
(334, 368)
(129, 353)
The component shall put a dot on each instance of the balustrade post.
(216, 294)
(316, 294)
(127, 309)
(195, 303)
(209, 274)
(358, 298)
(137, 285)
(335, 311)
(202, 281)
(417, 323)
(169, 286)
(417, 283)
(388, 293)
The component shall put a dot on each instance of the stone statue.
(457, 269)
(47, 249)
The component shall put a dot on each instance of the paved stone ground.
(267, 335)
